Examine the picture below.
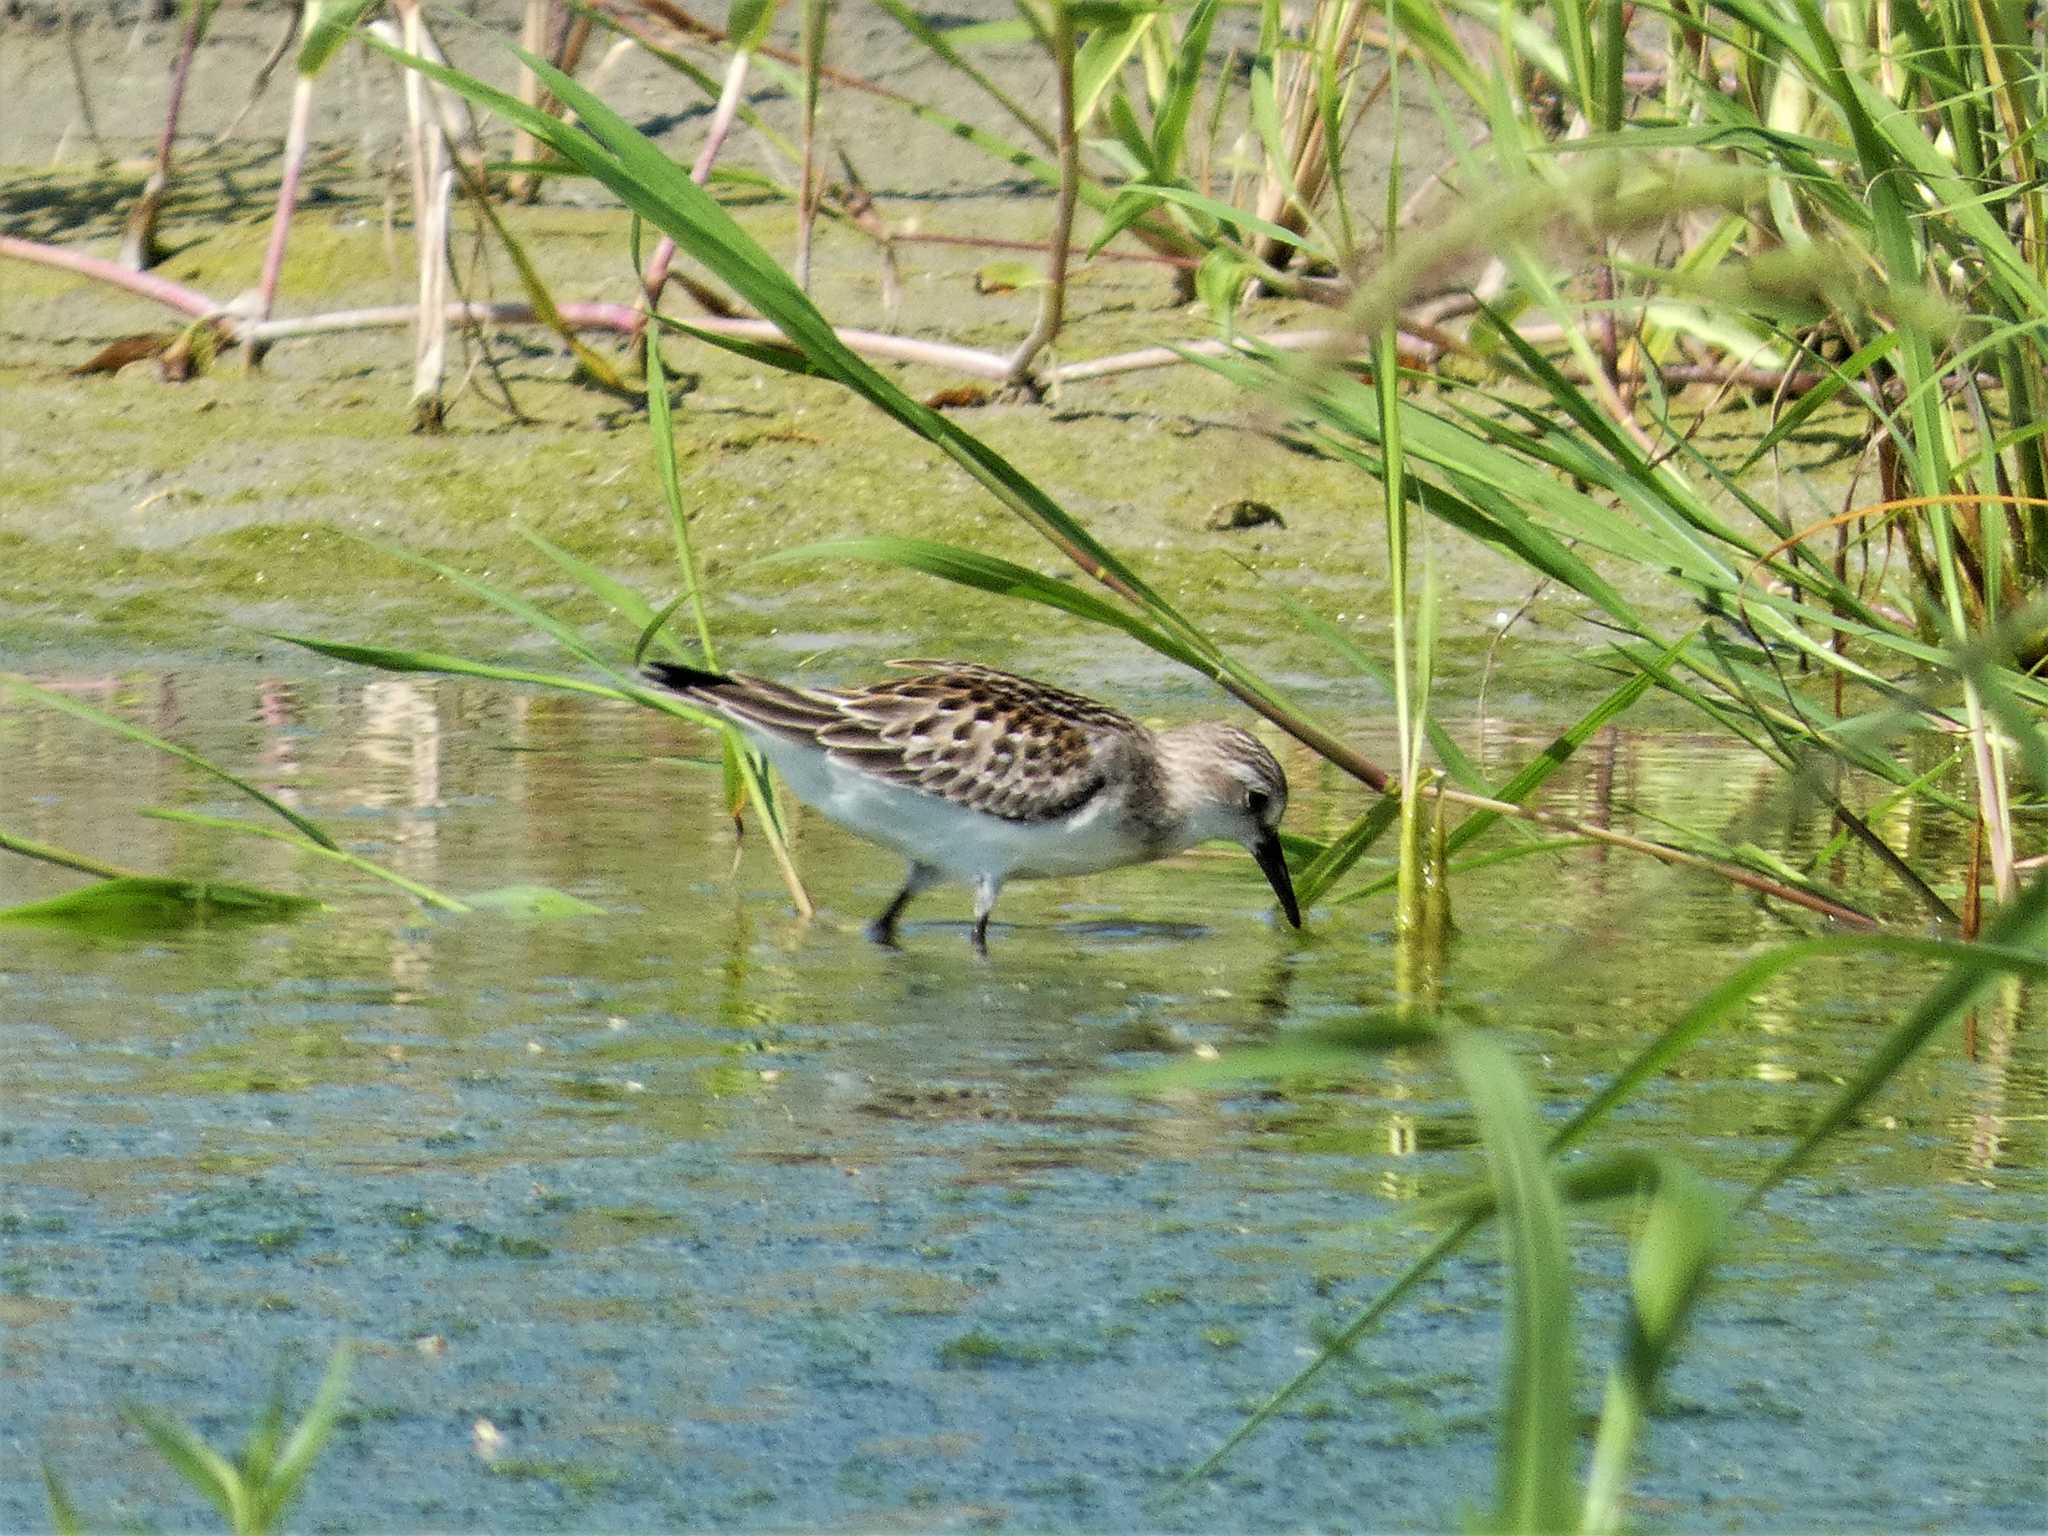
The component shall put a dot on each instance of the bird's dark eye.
(1256, 801)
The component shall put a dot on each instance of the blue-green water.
(691, 1214)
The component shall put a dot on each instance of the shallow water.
(718, 1218)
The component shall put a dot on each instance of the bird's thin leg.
(883, 929)
(986, 889)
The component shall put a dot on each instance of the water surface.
(717, 1218)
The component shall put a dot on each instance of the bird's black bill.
(1273, 863)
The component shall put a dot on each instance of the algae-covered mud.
(688, 1214)
(184, 516)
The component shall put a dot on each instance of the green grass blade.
(1561, 749)
(1111, 42)
(63, 858)
(942, 48)
(517, 606)
(1537, 1442)
(1330, 865)
(120, 727)
(1148, 194)
(2020, 929)
(596, 367)
(746, 770)
(65, 1519)
(631, 606)
(1170, 119)
(425, 893)
(1473, 864)
(198, 1463)
(1668, 1266)
(329, 25)
(388, 659)
(661, 431)
(1719, 1005)
(989, 573)
(308, 1437)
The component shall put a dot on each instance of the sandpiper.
(980, 776)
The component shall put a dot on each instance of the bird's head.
(1223, 783)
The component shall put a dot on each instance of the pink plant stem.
(627, 320)
(175, 295)
(1052, 301)
(1167, 357)
(287, 195)
(1037, 248)
(138, 240)
(894, 349)
(722, 116)
(180, 73)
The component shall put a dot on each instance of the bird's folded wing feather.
(981, 739)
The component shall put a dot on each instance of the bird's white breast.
(962, 843)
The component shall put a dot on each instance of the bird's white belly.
(961, 843)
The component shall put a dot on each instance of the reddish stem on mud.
(287, 195)
(138, 240)
(721, 124)
(175, 295)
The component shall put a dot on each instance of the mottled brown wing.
(981, 738)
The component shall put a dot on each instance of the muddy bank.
(183, 517)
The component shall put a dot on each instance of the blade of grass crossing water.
(120, 727)
(606, 147)
(634, 608)
(990, 573)
(746, 771)
(2021, 928)
(1719, 1005)
(1537, 1447)
(631, 165)
(64, 858)
(1680, 1234)
(425, 893)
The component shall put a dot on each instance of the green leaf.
(138, 904)
(1170, 116)
(1344, 851)
(748, 23)
(604, 587)
(65, 1519)
(327, 26)
(1668, 1264)
(595, 366)
(1226, 214)
(1102, 57)
(392, 660)
(942, 44)
(1007, 275)
(63, 858)
(1220, 282)
(532, 901)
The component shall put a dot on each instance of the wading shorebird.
(982, 777)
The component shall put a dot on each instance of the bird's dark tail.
(681, 678)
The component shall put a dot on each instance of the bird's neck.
(1175, 795)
